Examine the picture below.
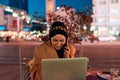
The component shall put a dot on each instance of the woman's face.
(58, 41)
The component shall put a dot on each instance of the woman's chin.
(57, 48)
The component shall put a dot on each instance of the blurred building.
(106, 18)
(50, 7)
(12, 13)
(20, 4)
(4, 2)
(1, 16)
(13, 23)
(11, 19)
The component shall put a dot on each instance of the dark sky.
(39, 5)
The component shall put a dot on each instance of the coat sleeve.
(72, 51)
(35, 69)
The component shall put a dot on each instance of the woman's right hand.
(66, 52)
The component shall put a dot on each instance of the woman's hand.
(66, 52)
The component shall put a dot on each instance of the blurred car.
(30, 37)
(107, 38)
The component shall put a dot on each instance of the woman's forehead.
(58, 36)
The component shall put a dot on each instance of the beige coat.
(44, 51)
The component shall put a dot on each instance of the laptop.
(64, 69)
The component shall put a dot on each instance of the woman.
(56, 47)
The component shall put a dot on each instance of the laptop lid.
(64, 69)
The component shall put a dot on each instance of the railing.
(101, 56)
(13, 59)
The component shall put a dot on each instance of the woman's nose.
(58, 44)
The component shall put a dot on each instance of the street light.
(84, 27)
(8, 9)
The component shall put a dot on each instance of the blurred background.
(28, 20)
(93, 27)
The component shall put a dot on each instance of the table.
(91, 75)
(93, 78)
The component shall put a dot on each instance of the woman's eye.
(54, 40)
(61, 40)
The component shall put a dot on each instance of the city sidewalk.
(82, 43)
(100, 43)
